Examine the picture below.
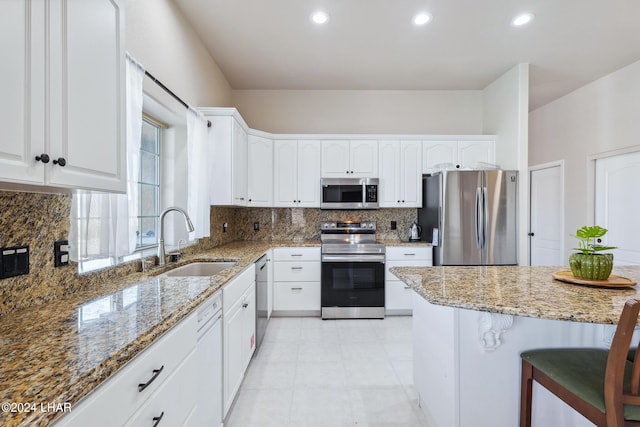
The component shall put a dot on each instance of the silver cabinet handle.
(409, 254)
(296, 268)
(296, 254)
(296, 289)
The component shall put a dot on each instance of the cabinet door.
(260, 171)
(239, 180)
(335, 159)
(248, 326)
(472, 152)
(438, 152)
(363, 157)
(411, 174)
(22, 87)
(233, 354)
(285, 173)
(308, 174)
(87, 95)
(389, 186)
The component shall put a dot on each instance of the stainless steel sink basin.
(200, 269)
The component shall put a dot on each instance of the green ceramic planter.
(591, 267)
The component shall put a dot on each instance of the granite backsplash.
(38, 220)
(304, 224)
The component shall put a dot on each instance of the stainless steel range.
(352, 271)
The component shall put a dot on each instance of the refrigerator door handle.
(485, 216)
(478, 219)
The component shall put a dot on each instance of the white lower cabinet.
(174, 401)
(239, 331)
(398, 296)
(165, 370)
(296, 277)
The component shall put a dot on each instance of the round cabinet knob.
(60, 161)
(44, 158)
(531, 234)
(249, 199)
(457, 166)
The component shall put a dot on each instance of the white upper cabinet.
(400, 169)
(63, 86)
(346, 159)
(228, 140)
(260, 171)
(456, 154)
(470, 153)
(296, 173)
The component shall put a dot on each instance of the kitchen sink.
(208, 268)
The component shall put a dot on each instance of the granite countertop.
(60, 351)
(520, 291)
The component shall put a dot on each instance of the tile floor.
(330, 373)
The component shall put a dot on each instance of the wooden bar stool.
(602, 385)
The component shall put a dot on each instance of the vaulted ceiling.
(373, 45)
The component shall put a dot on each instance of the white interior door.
(617, 205)
(547, 218)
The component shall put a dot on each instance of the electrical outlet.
(61, 253)
(394, 225)
(224, 227)
(256, 226)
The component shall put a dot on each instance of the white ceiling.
(372, 44)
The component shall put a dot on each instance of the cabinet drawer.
(121, 390)
(389, 264)
(296, 271)
(402, 253)
(174, 400)
(296, 296)
(398, 296)
(296, 254)
(238, 286)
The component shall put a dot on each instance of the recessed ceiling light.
(522, 19)
(319, 17)
(421, 18)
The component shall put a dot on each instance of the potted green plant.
(588, 263)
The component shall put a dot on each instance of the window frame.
(159, 127)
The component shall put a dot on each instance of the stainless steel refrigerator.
(470, 216)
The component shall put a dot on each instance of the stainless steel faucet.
(189, 224)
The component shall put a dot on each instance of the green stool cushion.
(581, 371)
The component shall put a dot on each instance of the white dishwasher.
(209, 354)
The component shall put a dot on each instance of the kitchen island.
(470, 325)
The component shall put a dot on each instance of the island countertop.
(520, 291)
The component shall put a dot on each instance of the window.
(149, 183)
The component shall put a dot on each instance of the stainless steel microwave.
(349, 193)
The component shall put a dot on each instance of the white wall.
(361, 111)
(600, 117)
(159, 37)
(505, 107)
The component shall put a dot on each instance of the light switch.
(14, 261)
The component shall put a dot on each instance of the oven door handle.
(353, 258)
